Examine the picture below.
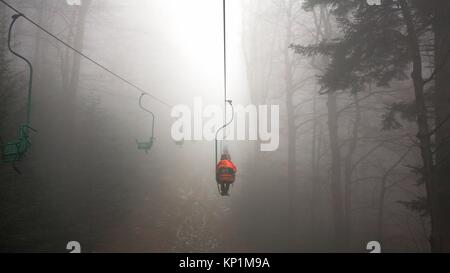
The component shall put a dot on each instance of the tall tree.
(380, 44)
(441, 28)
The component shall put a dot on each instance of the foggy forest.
(360, 144)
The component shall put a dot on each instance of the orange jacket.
(227, 164)
(224, 177)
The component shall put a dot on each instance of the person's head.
(225, 156)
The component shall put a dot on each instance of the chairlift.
(146, 145)
(14, 151)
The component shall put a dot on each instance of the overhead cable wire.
(79, 52)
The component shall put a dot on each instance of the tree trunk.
(78, 44)
(40, 6)
(292, 131)
(72, 155)
(348, 174)
(423, 126)
(66, 59)
(315, 189)
(442, 106)
(336, 187)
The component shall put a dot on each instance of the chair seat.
(14, 151)
(146, 146)
(11, 152)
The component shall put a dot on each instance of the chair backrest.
(13, 151)
(225, 170)
(225, 175)
(145, 146)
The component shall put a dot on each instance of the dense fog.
(352, 165)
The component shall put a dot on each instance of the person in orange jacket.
(225, 173)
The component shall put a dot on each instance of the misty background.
(347, 172)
